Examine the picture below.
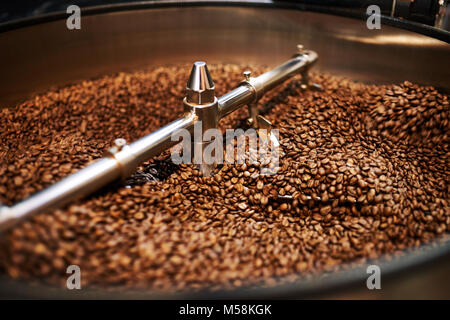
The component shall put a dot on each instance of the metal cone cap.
(200, 87)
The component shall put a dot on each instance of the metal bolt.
(247, 75)
(120, 143)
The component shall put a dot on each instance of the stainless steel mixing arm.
(122, 159)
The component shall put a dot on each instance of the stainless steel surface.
(231, 101)
(153, 143)
(274, 77)
(256, 87)
(39, 57)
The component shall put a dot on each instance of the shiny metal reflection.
(200, 87)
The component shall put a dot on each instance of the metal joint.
(306, 80)
(201, 101)
(255, 86)
(120, 151)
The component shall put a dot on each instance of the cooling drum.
(40, 54)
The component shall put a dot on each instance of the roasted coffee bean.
(363, 172)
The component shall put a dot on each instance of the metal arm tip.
(200, 87)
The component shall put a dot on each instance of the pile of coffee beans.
(363, 173)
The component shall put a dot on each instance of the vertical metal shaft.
(201, 101)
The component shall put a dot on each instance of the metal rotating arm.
(122, 159)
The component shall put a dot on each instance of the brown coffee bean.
(363, 171)
(260, 185)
